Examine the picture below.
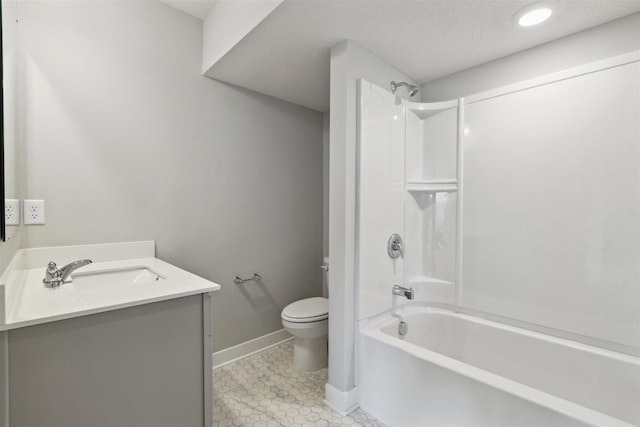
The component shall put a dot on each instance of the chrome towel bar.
(239, 281)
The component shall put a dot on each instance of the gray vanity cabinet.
(141, 366)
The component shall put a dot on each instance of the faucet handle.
(52, 275)
(52, 270)
(395, 246)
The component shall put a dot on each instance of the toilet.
(308, 321)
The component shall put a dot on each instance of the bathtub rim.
(372, 328)
(609, 348)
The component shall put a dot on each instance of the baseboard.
(240, 351)
(343, 402)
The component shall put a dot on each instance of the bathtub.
(454, 369)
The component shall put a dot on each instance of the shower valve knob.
(395, 246)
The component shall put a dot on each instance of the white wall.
(349, 63)
(126, 140)
(547, 239)
(381, 198)
(610, 39)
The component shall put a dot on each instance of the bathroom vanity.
(125, 342)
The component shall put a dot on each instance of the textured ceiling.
(198, 8)
(287, 55)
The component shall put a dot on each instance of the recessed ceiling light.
(533, 14)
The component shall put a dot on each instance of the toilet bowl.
(307, 320)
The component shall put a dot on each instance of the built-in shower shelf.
(424, 111)
(433, 186)
(426, 280)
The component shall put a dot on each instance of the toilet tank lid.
(306, 308)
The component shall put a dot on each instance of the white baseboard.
(343, 402)
(248, 348)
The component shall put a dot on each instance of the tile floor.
(265, 390)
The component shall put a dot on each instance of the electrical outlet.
(33, 212)
(12, 212)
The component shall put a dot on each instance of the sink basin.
(119, 276)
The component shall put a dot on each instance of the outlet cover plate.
(12, 211)
(33, 212)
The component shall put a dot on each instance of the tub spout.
(402, 291)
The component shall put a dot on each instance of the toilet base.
(309, 344)
(309, 354)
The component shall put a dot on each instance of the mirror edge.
(3, 234)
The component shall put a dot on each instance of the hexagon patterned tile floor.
(265, 390)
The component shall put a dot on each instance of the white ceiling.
(198, 8)
(287, 55)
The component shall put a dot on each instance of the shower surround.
(519, 212)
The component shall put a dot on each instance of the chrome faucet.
(402, 291)
(54, 276)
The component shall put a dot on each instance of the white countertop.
(28, 302)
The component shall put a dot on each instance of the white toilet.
(307, 320)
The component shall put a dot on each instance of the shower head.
(410, 88)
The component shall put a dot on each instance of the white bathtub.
(453, 369)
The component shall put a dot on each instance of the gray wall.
(125, 140)
(8, 249)
(604, 41)
(11, 165)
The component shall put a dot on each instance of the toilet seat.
(307, 310)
